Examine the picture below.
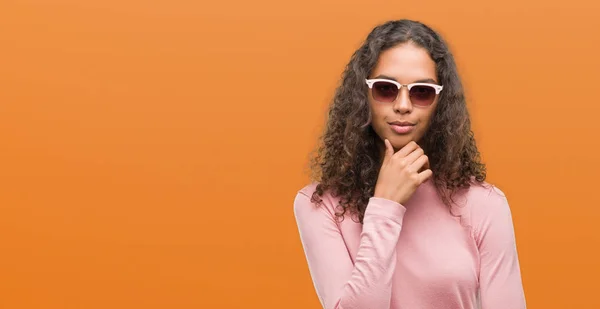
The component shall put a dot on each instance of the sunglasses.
(386, 91)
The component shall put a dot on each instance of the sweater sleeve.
(499, 275)
(340, 283)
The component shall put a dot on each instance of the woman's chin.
(400, 141)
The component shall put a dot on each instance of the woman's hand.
(400, 173)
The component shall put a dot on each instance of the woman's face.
(405, 64)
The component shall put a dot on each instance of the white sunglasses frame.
(370, 82)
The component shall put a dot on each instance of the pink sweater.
(414, 256)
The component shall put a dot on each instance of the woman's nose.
(402, 103)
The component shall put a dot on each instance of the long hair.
(346, 162)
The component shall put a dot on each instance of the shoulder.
(304, 205)
(487, 198)
(308, 189)
(485, 195)
(482, 203)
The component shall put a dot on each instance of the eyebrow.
(425, 80)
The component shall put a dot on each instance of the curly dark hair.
(347, 161)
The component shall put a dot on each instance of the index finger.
(406, 150)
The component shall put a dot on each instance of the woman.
(399, 214)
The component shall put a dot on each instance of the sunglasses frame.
(371, 82)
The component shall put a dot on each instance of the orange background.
(150, 151)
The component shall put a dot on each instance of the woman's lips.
(402, 129)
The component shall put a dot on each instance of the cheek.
(377, 111)
(426, 119)
(376, 117)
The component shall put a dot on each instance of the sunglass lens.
(422, 95)
(385, 91)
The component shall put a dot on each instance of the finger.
(413, 156)
(425, 166)
(419, 162)
(389, 151)
(406, 150)
(424, 175)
